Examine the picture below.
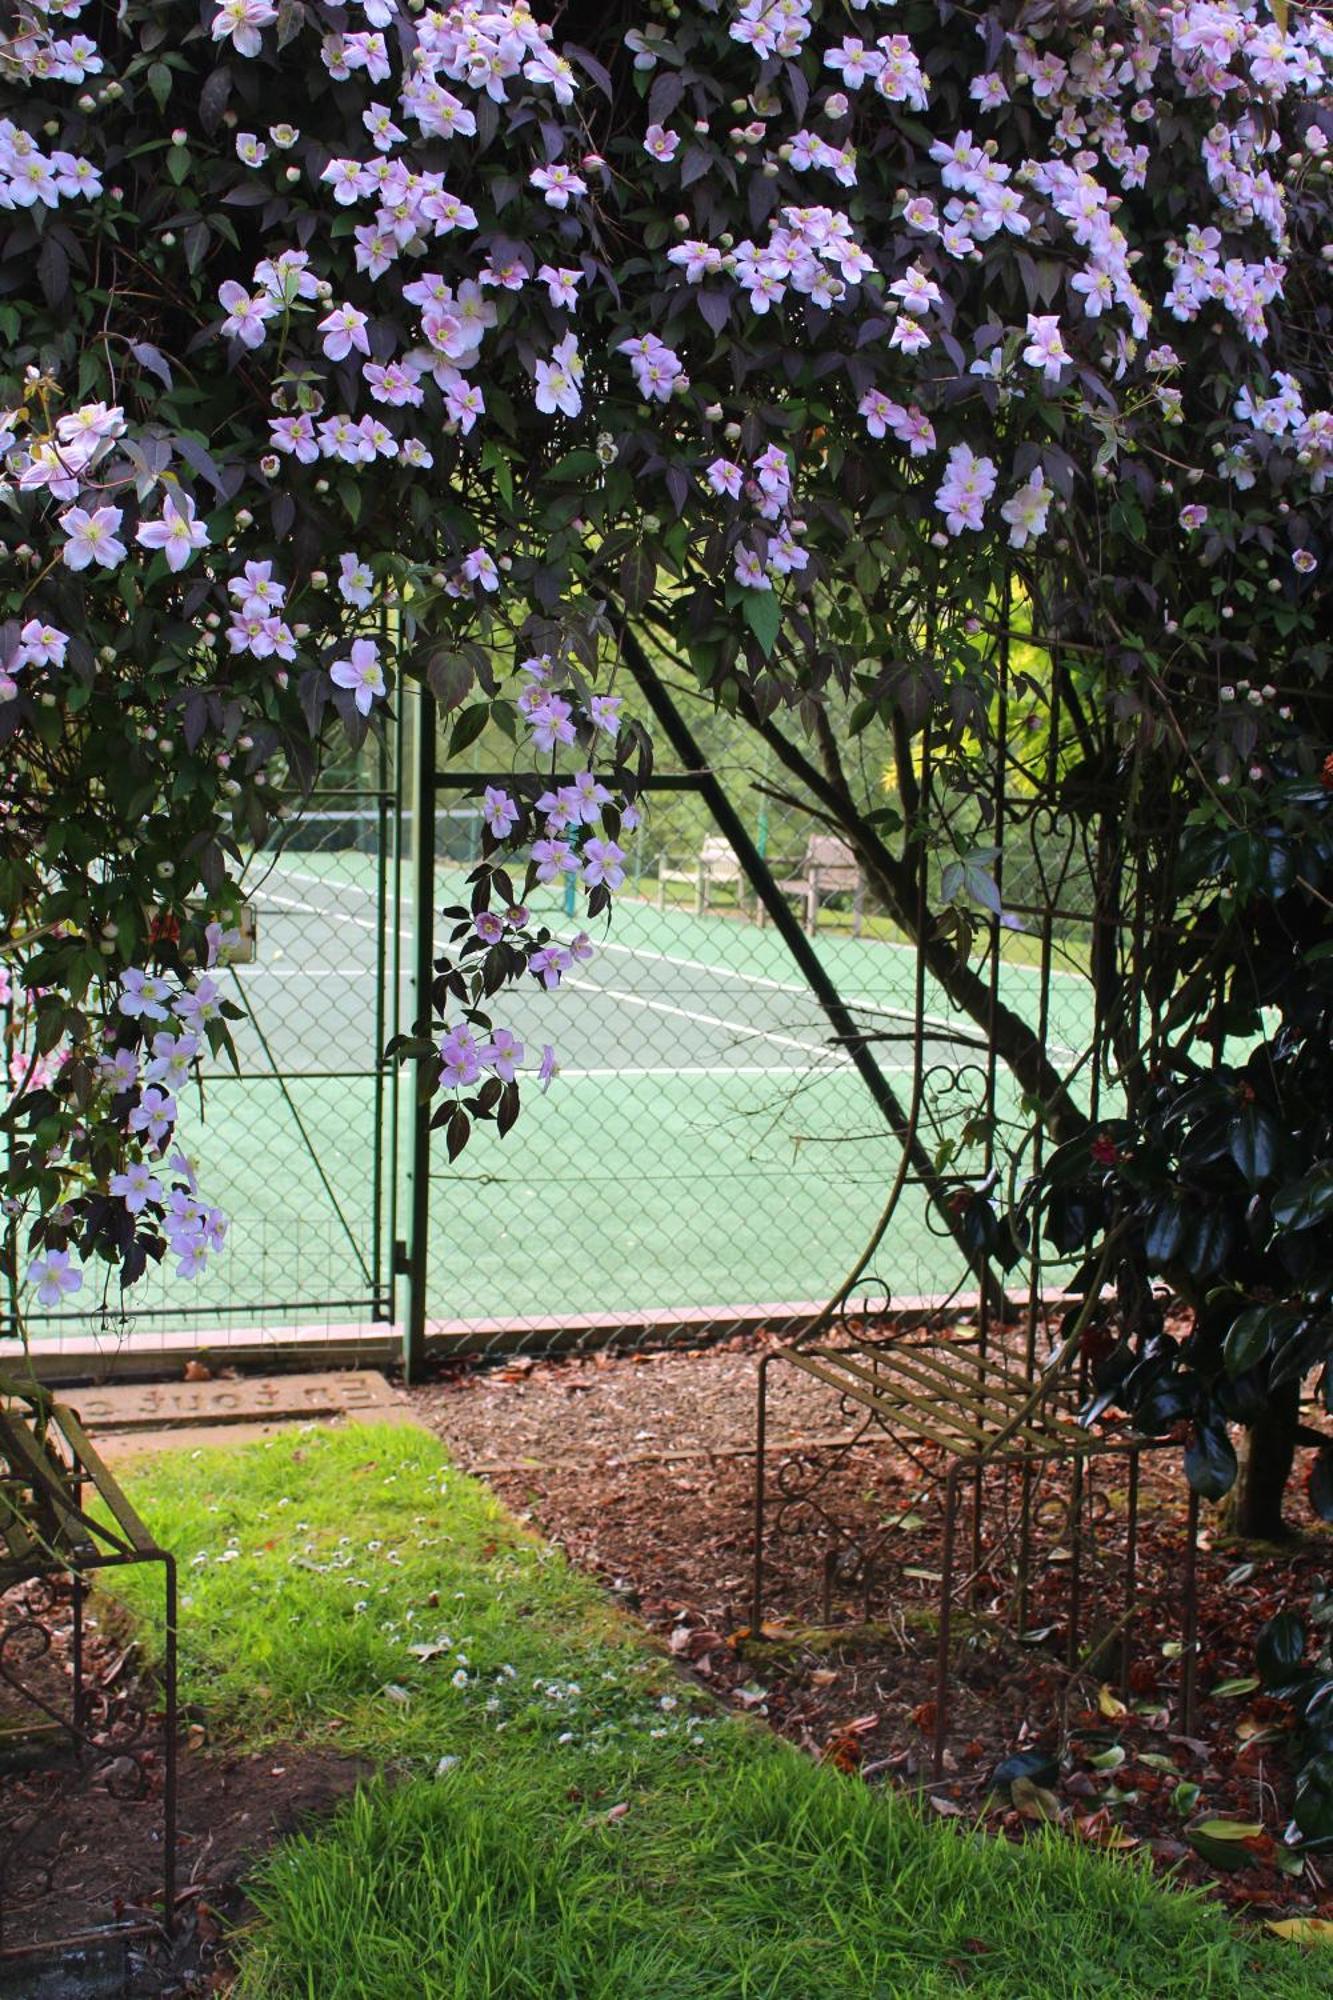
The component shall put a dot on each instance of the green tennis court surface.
(703, 1145)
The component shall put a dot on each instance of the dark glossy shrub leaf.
(1210, 1460)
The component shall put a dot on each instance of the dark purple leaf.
(714, 308)
(195, 719)
(53, 271)
(665, 95)
(695, 163)
(591, 67)
(153, 360)
(199, 460)
(638, 577)
(678, 485)
(213, 98)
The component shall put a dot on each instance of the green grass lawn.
(563, 1818)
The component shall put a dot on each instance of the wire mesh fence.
(719, 1142)
(709, 1155)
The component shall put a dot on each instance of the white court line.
(564, 1075)
(252, 972)
(742, 1028)
(626, 950)
(340, 916)
(630, 951)
(950, 1030)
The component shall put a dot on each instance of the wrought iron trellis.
(992, 1404)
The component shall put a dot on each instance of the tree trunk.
(894, 880)
(1267, 1453)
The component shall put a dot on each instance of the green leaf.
(1321, 1483)
(449, 677)
(1253, 1142)
(1303, 1203)
(469, 727)
(1314, 1799)
(1220, 1843)
(763, 615)
(494, 460)
(1163, 1233)
(574, 465)
(638, 577)
(159, 82)
(1248, 1339)
(1280, 1649)
(1241, 1684)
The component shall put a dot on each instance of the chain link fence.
(714, 1150)
(709, 1156)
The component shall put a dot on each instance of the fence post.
(423, 919)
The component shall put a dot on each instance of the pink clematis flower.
(178, 534)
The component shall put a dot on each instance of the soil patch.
(81, 1844)
(641, 1468)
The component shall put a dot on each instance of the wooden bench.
(827, 868)
(717, 863)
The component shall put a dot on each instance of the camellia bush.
(1204, 1215)
(344, 344)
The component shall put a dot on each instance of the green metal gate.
(297, 1144)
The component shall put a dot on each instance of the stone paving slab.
(153, 1415)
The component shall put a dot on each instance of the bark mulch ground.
(640, 1467)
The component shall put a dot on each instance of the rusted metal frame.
(1030, 1463)
(1132, 1447)
(836, 1454)
(74, 1725)
(1075, 1563)
(104, 1481)
(891, 1387)
(761, 1446)
(1131, 1565)
(424, 776)
(949, 1364)
(833, 1455)
(998, 802)
(922, 1377)
(954, 1352)
(945, 1624)
(869, 1398)
(60, 1487)
(1189, 1661)
(38, 1471)
(1047, 919)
